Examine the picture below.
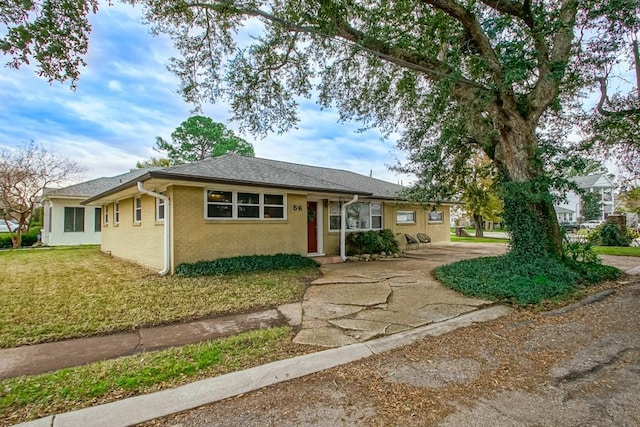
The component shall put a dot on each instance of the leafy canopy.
(199, 138)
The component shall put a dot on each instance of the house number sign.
(297, 207)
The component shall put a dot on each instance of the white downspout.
(343, 226)
(167, 243)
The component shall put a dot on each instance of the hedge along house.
(233, 205)
(66, 221)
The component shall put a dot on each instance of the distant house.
(66, 221)
(571, 210)
(233, 205)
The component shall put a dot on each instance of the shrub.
(609, 234)
(28, 239)
(371, 242)
(244, 264)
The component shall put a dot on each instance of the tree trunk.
(528, 204)
(477, 219)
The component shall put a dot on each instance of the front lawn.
(617, 250)
(30, 397)
(58, 293)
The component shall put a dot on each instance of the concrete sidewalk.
(41, 358)
(143, 408)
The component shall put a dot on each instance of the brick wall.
(196, 238)
(139, 242)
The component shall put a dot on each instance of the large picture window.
(73, 220)
(244, 205)
(360, 216)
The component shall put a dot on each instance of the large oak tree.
(451, 76)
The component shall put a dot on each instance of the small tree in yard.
(591, 206)
(24, 173)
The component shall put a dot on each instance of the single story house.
(233, 205)
(66, 221)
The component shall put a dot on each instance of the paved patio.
(357, 301)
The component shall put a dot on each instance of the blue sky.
(125, 98)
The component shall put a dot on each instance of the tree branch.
(604, 99)
(471, 24)
(552, 69)
(433, 69)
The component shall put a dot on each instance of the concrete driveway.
(358, 301)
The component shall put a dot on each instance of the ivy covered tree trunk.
(528, 203)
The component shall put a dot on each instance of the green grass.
(617, 250)
(52, 294)
(30, 397)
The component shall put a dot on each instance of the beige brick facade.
(141, 242)
(196, 238)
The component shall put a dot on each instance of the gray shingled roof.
(96, 186)
(236, 169)
(254, 170)
(588, 181)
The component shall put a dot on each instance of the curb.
(139, 409)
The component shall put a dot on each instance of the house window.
(406, 217)
(244, 205)
(97, 225)
(73, 220)
(137, 209)
(360, 216)
(106, 214)
(248, 205)
(436, 216)
(160, 206)
(273, 206)
(219, 204)
(116, 213)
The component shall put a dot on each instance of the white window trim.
(334, 230)
(137, 209)
(116, 212)
(105, 214)
(160, 202)
(413, 213)
(234, 205)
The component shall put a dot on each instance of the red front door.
(312, 227)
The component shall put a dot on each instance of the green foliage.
(28, 239)
(522, 281)
(243, 264)
(371, 242)
(579, 251)
(154, 161)
(591, 206)
(609, 234)
(526, 216)
(510, 278)
(199, 138)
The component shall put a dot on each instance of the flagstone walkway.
(357, 301)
